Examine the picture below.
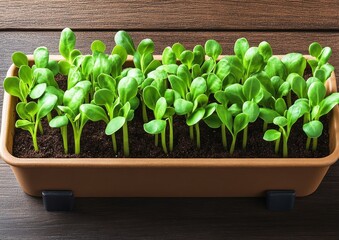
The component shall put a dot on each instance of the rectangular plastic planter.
(141, 177)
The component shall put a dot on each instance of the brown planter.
(140, 177)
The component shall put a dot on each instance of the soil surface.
(95, 144)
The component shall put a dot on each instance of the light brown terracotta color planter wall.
(127, 177)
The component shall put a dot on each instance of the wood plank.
(174, 14)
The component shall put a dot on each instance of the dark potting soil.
(95, 144)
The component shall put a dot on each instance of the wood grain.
(174, 14)
(314, 217)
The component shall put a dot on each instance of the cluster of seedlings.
(227, 92)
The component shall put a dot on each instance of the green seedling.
(157, 79)
(294, 63)
(319, 106)
(118, 58)
(234, 124)
(246, 97)
(251, 90)
(19, 59)
(229, 70)
(272, 104)
(143, 60)
(275, 67)
(107, 96)
(193, 103)
(285, 123)
(72, 101)
(89, 67)
(137, 74)
(281, 71)
(253, 62)
(125, 105)
(63, 130)
(214, 121)
(142, 55)
(123, 39)
(278, 86)
(17, 87)
(198, 65)
(193, 63)
(163, 113)
(92, 66)
(33, 81)
(67, 50)
(184, 79)
(101, 64)
(253, 58)
(213, 49)
(320, 66)
(31, 114)
(168, 57)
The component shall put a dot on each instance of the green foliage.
(227, 92)
(123, 39)
(31, 114)
(213, 49)
(285, 123)
(73, 99)
(19, 59)
(294, 63)
(67, 43)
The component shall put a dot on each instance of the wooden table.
(287, 25)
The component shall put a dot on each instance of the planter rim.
(161, 162)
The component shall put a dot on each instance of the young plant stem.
(170, 121)
(191, 132)
(34, 136)
(41, 130)
(77, 131)
(308, 143)
(163, 141)
(64, 138)
(277, 144)
(114, 140)
(314, 144)
(264, 127)
(285, 147)
(223, 136)
(197, 132)
(49, 117)
(244, 138)
(77, 137)
(289, 99)
(144, 112)
(125, 136)
(234, 139)
(114, 143)
(306, 118)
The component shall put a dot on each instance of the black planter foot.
(58, 200)
(280, 200)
